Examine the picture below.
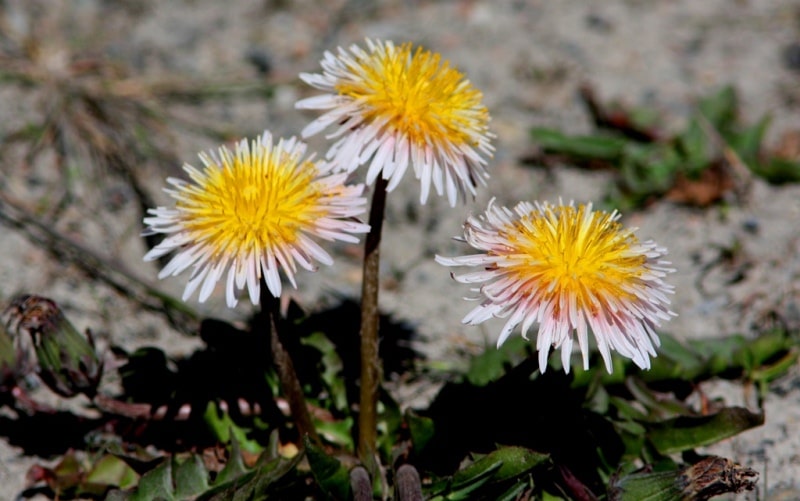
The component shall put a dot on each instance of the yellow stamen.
(568, 255)
(255, 200)
(419, 95)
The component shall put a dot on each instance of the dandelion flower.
(568, 269)
(253, 212)
(401, 106)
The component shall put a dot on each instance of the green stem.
(290, 385)
(370, 361)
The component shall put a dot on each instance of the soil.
(529, 58)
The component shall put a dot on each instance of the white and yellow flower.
(250, 213)
(569, 270)
(401, 107)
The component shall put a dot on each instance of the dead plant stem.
(290, 384)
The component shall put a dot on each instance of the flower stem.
(290, 385)
(370, 361)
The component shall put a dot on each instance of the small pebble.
(259, 59)
(751, 225)
(791, 56)
(598, 24)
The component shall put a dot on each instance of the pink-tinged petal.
(571, 271)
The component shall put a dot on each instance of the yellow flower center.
(418, 95)
(566, 252)
(255, 200)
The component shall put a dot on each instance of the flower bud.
(707, 478)
(68, 364)
(14, 359)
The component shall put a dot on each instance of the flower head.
(401, 106)
(568, 269)
(250, 213)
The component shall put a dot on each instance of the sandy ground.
(529, 58)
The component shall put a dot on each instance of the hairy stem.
(370, 362)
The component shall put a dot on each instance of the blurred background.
(100, 101)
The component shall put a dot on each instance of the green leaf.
(709, 477)
(767, 345)
(688, 432)
(190, 477)
(256, 484)
(421, 429)
(662, 486)
(633, 437)
(225, 429)
(332, 477)
(337, 432)
(463, 488)
(513, 492)
(627, 410)
(501, 465)
(332, 368)
(719, 355)
(156, 484)
(112, 471)
(516, 462)
(779, 170)
(720, 109)
(492, 364)
(174, 479)
(747, 142)
(648, 169)
(235, 466)
(587, 147)
(696, 147)
(656, 404)
(390, 421)
(770, 372)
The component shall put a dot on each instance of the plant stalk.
(290, 384)
(370, 361)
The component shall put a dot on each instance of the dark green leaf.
(226, 430)
(329, 472)
(720, 109)
(337, 432)
(500, 465)
(421, 429)
(235, 466)
(747, 142)
(190, 477)
(778, 170)
(493, 363)
(696, 148)
(676, 360)
(777, 369)
(627, 410)
(255, 485)
(463, 488)
(662, 486)
(156, 484)
(587, 147)
(656, 404)
(513, 492)
(766, 346)
(112, 471)
(688, 432)
(331, 368)
(390, 422)
(709, 477)
(647, 169)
